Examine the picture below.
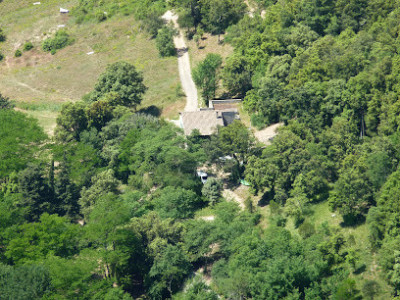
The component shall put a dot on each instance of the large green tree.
(123, 78)
(205, 75)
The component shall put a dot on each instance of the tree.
(19, 140)
(237, 75)
(218, 15)
(24, 282)
(123, 78)
(176, 203)
(352, 192)
(205, 75)
(102, 184)
(5, 102)
(32, 242)
(212, 190)
(296, 204)
(165, 41)
(168, 272)
(347, 289)
(111, 244)
(99, 113)
(236, 140)
(66, 192)
(71, 121)
(37, 197)
(2, 35)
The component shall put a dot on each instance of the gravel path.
(185, 73)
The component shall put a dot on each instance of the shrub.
(212, 190)
(306, 230)
(28, 46)
(60, 40)
(2, 35)
(165, 42)
(100, 16)
(18, 53)
(1, 56)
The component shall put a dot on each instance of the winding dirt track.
(185, 73)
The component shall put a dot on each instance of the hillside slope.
(40, 78)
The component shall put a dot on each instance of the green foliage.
(347, 290)
(218, 15)
(18, 53)
(237, 75)
(60, 41)
(71, 121)
(176, 203)
(5, 103)
(197, 289)
(1, 56)
(123, 79)
(24, 282)
(2, 35)
(205, 75)
(153, 23)
(168, 271)
(103, 184)
(212, 190)
(236, 140)
(16, 133)
(28, 46)
(165, 41)
(30, 242)
(142, 10)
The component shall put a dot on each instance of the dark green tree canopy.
(124, 79)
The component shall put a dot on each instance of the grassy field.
(209, 44)
(38, 77)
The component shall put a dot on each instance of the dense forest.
(109, 207)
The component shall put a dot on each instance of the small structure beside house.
(207, 120)
(224, 104)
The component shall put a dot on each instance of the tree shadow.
(201, 47)
(181, 51)
(151, 110)
(360, 269)
(266, 198)
(352, 222)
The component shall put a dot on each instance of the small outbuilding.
(64, 11)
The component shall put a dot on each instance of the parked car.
(203, 176)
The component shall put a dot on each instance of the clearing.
(41, 78)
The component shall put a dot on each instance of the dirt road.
(185, 73)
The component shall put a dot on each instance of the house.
(207, 120)
(64, 11)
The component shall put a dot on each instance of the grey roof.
(206, 121)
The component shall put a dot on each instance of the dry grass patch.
(40, 77)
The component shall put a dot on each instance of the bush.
(100, 16)
(60, 40)
(18, 53)
(165, 42)
(212, 190)
(1, 56)
(306, 230)
(2, 35)
(28, 46)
